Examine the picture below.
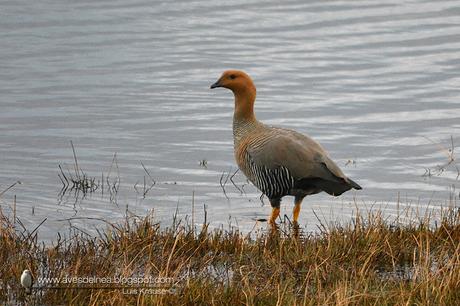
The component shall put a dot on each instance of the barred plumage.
(278, 161)
(274, 183)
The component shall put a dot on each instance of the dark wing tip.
(354, 184)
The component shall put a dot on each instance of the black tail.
(354, 184)
(334, 188)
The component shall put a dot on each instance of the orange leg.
(296, 211)
(274, 215)
(275, 203)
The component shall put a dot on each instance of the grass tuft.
(368, 261)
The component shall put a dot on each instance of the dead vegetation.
(76, 180)
(368, 261)
(77, 184)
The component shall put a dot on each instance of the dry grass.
(366, 262)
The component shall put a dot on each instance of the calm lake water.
(376, 82)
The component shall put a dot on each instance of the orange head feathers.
(244, 90)
(234, 80)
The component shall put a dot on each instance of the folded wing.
(305, 159)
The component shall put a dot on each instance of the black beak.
(215, 85)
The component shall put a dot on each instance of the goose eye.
(232, 76)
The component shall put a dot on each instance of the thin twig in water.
(261, 198)
(146, 190)
(81, 182)
(321, 226)
(205, 215)
(77, 169)
(113, 187)
(88, 218)
(148, 173)
(222, 185)
(241, 190)
(11, 186)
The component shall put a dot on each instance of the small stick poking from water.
(147, 189)
(77, 168)
(241, 190)
(12, 185)
(205, 221)
(222, 185)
